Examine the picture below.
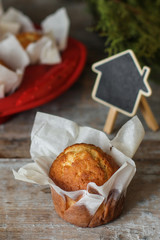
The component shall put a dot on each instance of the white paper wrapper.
(51, 135)
(9, 80)
(44, 51)
(11, 27)
(15, 58)
(58, 25)
(55, 29)
(13, 15)
(12, 53)
(2, 90)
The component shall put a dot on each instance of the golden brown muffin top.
(26, 38)
(80, 164)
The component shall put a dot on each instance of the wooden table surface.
(26, 210)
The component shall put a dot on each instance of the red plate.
(42, 83)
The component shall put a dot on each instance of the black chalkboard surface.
(121, 82)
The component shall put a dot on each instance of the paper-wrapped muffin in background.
(54, 34)
(15, 60)
(94, 205)
(19, 35)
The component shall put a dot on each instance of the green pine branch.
(129, 24)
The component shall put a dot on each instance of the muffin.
(80, 164)
(72, 170)
(26, 38)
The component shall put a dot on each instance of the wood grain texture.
(27, 212)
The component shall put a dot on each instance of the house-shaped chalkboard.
(121, 82)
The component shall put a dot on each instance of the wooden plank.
(148, 150)
(14, 148)
(19, 148)
(27, 212)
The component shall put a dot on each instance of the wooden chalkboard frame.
(140, 93)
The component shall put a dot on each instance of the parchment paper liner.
(54, 29)
(98, 204)
(21, 22)
(57, 24)
(16, 59)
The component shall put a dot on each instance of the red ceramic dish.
(43, 83)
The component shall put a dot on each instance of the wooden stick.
(148, 115)
(111, 118)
